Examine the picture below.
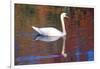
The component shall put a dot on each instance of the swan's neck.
(63, 25)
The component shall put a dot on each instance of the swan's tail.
(36, 29)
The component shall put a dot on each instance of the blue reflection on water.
(90, 55)
(30, 58)
(78, 53)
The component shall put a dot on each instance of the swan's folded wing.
(50, 31)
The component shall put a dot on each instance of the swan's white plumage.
(51, 31)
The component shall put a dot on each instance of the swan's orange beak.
(66, 16)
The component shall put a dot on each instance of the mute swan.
(52, 34)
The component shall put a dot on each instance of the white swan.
(53, 34)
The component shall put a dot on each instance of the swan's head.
(64, 14)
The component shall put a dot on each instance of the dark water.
(79, 39)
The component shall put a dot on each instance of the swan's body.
(49, 31)
(52, 34)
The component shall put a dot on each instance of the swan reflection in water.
(51, 39)
(46, 38)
